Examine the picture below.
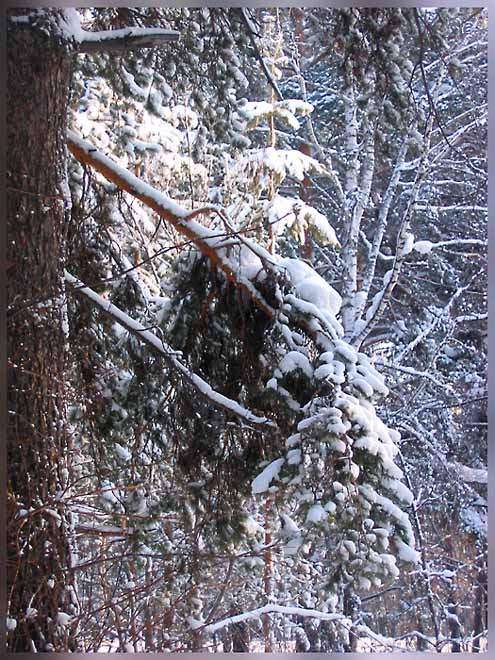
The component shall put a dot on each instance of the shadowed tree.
(39, 568)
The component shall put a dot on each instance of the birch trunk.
(358, 188)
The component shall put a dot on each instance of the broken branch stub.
(127, 39)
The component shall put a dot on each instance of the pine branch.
(181, 219)
(167, 352)
(208, 242)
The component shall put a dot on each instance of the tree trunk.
(240, 637)
(267, 577)
(312, 633)
(40, 581)
(351, 607)
(454, 627)
(480, 603)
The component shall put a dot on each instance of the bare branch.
(126, 39)
(252, 34)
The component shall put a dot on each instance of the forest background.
(247, 329)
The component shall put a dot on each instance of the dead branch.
(126, 39)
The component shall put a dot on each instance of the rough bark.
(240, 638)
(40, 583)
(454, 628)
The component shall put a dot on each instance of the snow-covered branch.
(381, 299)
(452, 207)
(470, 318)
(379, 231)
(126, 39)
(112, 40)
(208, 241)
(429, 329)
(424, 247)
(180, 218)
(417, 374)
(166, 351)
(468, 474)
(276, 609)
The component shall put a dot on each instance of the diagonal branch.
(252, 33)
(206, 240)
(210, 243)
(167, 352)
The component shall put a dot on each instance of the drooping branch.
(167, 352)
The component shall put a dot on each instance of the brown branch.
(204, 239)
(178, 217)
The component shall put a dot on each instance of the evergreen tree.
(246, 251)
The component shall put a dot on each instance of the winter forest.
(247, 330)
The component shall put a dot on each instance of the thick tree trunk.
(40, 581)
